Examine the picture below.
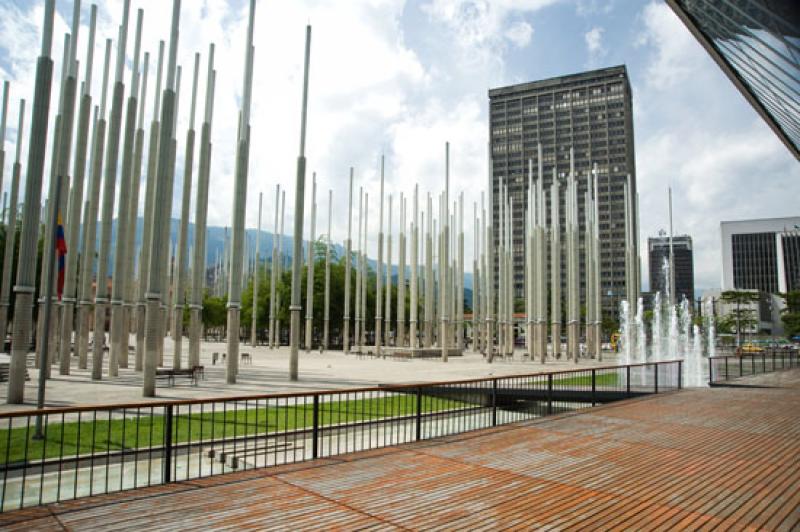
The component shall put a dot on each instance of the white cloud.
(520, 34)
(594, 44)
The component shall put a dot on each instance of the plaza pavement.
(269, 372)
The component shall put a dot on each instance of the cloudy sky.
(401, 78)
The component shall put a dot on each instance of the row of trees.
(214, 313)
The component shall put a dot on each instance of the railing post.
(167, 475)
(628, 380)
(680, 373)
(419, 413)
(741, 366)
(494, 402)
(594, 375)
(764, 362)
(655, 376)
(710, 371)
(315, 428)
(549, 394)
(753, 363)
(726, 367)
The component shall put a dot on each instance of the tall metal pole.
(3, 134)
(364, 275)
(149, 206)
(119, 329)
(254, 314)
(327, 309)
(131, 299)
(75, 204)
(348, 244)
(429, 276)
(11, 228)
(26, 271)
(387, 309)
(312, 239)
(295, 308)
(239, 207)
(672, 299)
(109, 188)
(274, 267)
(277, 333)
(443, 258)
(555, 267)
(51, 257)
(400, 337)
(378, 272)
(414, 311)
(179, 287)
(162, 195)
(357, 305)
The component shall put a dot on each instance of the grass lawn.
(137, 431)
(601, 379)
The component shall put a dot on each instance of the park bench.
(171, 374)
(247, 358)
(4, 370)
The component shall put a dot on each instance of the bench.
(200, 372)
(171, 374)
(247, 358)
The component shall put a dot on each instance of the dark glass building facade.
(757, 45)
(683, 257)
(761, 255)
(592, 113)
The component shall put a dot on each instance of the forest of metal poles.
(403, 293)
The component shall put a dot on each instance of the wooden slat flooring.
(720, 458)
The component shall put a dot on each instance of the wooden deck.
(725, 458)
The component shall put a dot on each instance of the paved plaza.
(269, 372)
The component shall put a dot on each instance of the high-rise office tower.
(683, 258)
(761, 255)
(592, 113)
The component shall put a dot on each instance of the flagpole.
(51, 255)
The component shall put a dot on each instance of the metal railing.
(728, 367)
(85, 451)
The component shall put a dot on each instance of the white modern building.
(761, 254)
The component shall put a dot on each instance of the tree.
(791, 314)
(743, 317)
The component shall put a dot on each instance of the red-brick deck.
(726, 458)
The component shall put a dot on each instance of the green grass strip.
(79, 438)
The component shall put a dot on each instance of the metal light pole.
(162, 194)
(326, 313)
(239, 206)
(347, 267)
(295, 308)
(51, 258)
(26, 271)
(179, 286)
(254, 316)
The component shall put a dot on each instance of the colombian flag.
(61, 249)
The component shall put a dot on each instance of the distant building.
(766, 311)
(683, 256)
(761, 255)
(755, 43)
(591, 112)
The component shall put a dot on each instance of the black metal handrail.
(90, 450)
(728, 367)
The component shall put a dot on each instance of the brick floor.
(726, 458)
